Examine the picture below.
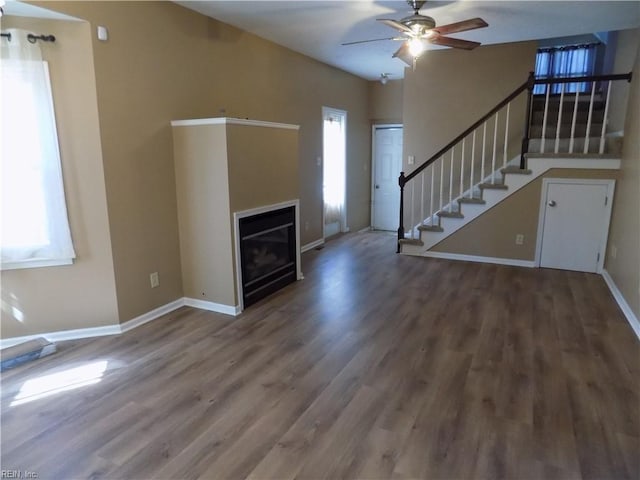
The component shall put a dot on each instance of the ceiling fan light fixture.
(416, 47)
(384, 78)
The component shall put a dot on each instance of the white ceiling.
(317, 28)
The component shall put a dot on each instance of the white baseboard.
(79, 333)
(212, 306)
(152, 315)
(473, 258)
(622, 303)
(365, 229)
(64, 335)
(312, 245)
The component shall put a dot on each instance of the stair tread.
(430, 228)
(493, 186)
(472, 200)
(447, 214)
(411, 241)
(516, 170)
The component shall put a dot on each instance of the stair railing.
(435, 177)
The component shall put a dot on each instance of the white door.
(575, 225)
(387, 164)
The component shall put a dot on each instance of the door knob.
(377, 186)
(552, 203)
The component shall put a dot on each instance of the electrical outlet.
(614, 252)
(155, 280)
(306, 226)
(519, 239)
(411, 160)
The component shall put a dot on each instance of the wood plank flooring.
(374, 366)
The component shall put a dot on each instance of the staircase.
(566, 130)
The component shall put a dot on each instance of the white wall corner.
(622, 303)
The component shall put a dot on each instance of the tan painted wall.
(625, 56)
(202, 189)
(625, 224)
(385, 102)
(263, 166)
(165, 62)
(81, 295)
(451, 89)
(493, 234)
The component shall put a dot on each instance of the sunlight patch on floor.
(63, 381)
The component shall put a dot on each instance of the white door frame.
(374, 128)
(343, 220)
(610, 184)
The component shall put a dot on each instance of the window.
(35, 229)
(562, 62)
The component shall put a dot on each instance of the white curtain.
(334, 168)
(35, 228)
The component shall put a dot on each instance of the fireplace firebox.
(268, 257)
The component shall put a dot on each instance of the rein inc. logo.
(7, 473)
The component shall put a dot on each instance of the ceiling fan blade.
(403, 54)
(463, 26)
(373, 40)
(395, 24)
(453, 42)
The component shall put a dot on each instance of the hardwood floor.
(374, 366)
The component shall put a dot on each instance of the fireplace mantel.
(225, 166)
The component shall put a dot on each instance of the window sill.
(36, 264)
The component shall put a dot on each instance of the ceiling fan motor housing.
(419, 23)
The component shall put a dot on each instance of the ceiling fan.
(417, 29)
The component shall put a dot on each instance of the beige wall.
(81, 295)
(164, 62)
(385, 102)
(451, 89)
(624, 235)
(493, 234)
(626, 46)
(263, 166)
(202, 189)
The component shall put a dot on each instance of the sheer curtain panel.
(35, 227)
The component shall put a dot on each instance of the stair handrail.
(587, 78)
(527, 85)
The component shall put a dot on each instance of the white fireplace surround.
(256, 211)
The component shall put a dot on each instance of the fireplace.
(268, 255)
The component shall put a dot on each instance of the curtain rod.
(32, 38)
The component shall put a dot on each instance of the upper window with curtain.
(35, 229)
(563, 62)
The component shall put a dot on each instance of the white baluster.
(544, 119)
(605, 119)
(588, 132)
(412, 224)
(441, 179)
(557, 145)
(495, 145)
(506, 137)
(484, 147)
(433, 166)
(473, 158)
(422, 197)
(451, 180)
(462, 170)
(573, 123)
